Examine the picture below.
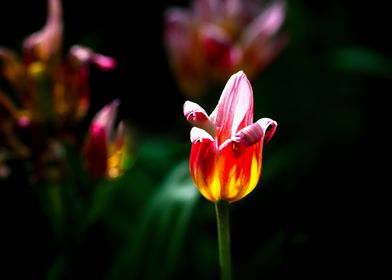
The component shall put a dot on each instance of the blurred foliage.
(310, 216)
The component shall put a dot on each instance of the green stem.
(222, 219)
(57, 211)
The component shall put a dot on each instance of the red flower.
(104, 150)
(226, 155)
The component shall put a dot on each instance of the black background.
(340, 202)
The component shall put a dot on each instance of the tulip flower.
(45, 91)
(212, 39)
(226, 154)
(104, 150)
(47, 88)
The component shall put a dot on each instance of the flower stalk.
(223, 222)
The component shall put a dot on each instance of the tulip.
(47, 87)
(226, 155)
(45, 91)
(212, 39)
(104, 150)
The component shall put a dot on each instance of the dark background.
(320, 212)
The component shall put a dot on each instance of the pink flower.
(212, 39)
(226, 156)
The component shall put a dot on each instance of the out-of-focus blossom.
(105, 149)
(226, 155)
(213, 39)
(44, 91)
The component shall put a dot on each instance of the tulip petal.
(249, 135)
(199, 135)
(106, 116)
(84, 56)
(76, 95)
(46, 43)
(104, 62)
(260, 40)
(267, 23)
(239, 170)
(185, 57)
(269, 128)
(194, 112)
(241, 11)
(235, 107)
(262, 130)
(206, 10)
(202, 166)
(95, 151)
(219, 49)
(198, 117)
(177, 25)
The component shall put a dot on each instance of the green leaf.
(153, 249)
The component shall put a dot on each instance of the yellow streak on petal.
(254, 175)
(211, 190)
(215, 186)
(232, 186)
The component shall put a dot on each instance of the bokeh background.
(316, 212)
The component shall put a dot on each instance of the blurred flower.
(44, 93)
(105, 150)
(216, 38)
(226, 154)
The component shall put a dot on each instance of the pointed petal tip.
(107, 113)
(262, 130)
(194, 112)
(269, 127)
(198, 117)
(105, 63)
(200, 135)
(239, 74)
(86, 55)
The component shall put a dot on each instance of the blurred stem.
(57, 211)
(223, 221)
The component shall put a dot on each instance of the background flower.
(209, 41)
(44, 94)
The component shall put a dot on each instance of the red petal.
(95, 151)
(239, 170)
(202, 165)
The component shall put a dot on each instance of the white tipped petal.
(262, 130)
(198, 117)
(269, 128)
(198, 134)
